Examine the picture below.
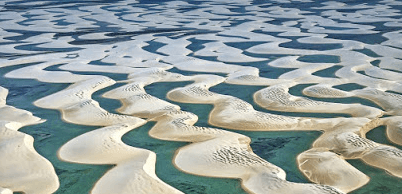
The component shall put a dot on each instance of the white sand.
(390, 102)
(218, 153)
(278, 98)
(74, 94)
(135, 101)
(394, 129)
(104, 146)
(5, 191)
(325, 91)
(135, 168)
(23, 169)
(325, 167)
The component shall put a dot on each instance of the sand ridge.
(24, 169)
(104, 145)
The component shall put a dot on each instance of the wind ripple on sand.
(390, 102)
(233, 113)
(135, 168)
(104, 146)
(21, 167)
(218, 153)
(325, 167)
(224, 154)
(135, 101)
(277, 98)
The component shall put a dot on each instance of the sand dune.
(277, 98)
(104, 146)
(135, 101)
(135, 168)
(394, 129)
(218, 153)
(325, 167)
(390, 102)
(325, 91)
(230, 112)
(22, 168)
(74, 94)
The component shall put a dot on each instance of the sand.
(134, 170)
(23, 169)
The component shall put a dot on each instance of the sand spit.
(135, 168)
(278, 98)
(22, 168)
(218, 153)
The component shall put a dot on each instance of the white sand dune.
(325, 91)
(3, 95)
(385, 157)
(347, 140)
(135, 101)
(218, 153)
(394, 129)
(104, 146)
(78, 114)
(325, 167)
(258, 184)
(22, 168)
(37, 72)
(225, 53)
(74, 94)
(351, 73)
(278, 98)
(250, 76)
(230, 112)
(233, 113)
(135, 168)
(5, 191)
(197, 92)
(390, 102)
